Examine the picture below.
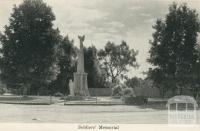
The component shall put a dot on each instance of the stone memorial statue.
(80, 77)
(71, 88)
(80, 67)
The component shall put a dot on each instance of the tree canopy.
(96, 77)
(66, 63)
(115, 59)
(29, 46)
(173, 51)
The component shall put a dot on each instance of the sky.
(107, 20)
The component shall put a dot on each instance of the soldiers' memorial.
(80, 77)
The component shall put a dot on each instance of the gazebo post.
(186, 106)
(195, 113)
(176, 112)
(169, 113)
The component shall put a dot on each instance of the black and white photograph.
(100, 63)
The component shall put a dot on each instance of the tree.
(134, 82)
(115, 59)
(95, 77)
(66, 65)
(30, 47)
(196, 73)
(173, 48)
(90, 66)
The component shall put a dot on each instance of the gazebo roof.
(182, 99)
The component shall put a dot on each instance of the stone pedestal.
(80, 84)
(71, 88)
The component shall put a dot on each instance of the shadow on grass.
(155, 106)
(16, 98)
(28, 100)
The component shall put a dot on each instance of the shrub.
(128, 92)
(117, 91)
(2, 91)
(72, 98)
(58, 94)
(25, 97)
(138, 100)
(43, 91)
(16, 91)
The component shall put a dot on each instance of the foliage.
(139, 83)
(58, 94)
(133, 82)
(117, 91)
(2, 91)
(115, 59)
(96, 77)
(29, 46)
(196, 89)
(173, 50)
(72, 98)
(43, 91)
(138, 100)
(128, 92)
(66, 65)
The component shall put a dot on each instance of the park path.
(58, 113)
(80, 114)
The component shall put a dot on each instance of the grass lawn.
(36, 109)
(58, 113)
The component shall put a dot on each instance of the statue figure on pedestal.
(80, 67)
(80, 77)
(71, 88)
